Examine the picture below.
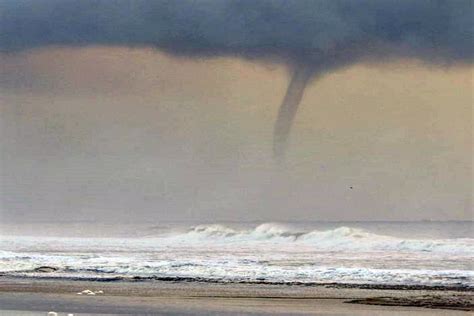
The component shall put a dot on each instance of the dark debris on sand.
(454, 302)
(457, 288)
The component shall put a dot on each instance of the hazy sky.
(155, 109)
(119, 133)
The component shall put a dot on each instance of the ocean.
(375, 253)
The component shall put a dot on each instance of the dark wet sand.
(36, 297)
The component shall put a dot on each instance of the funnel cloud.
(288, 109)
(311, 37)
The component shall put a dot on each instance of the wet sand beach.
(37, 297)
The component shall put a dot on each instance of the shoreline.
(174, 298)
(184, 280)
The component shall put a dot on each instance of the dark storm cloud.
(299, 30)
(317, 36)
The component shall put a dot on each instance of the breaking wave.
(342, 238)
(269, 253)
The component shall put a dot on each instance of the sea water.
(379, 253)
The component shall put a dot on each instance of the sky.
(110, 130)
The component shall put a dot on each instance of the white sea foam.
(342, 238)
(265, 253)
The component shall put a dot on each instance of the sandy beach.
(37, 297)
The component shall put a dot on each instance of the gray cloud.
(304, 31)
